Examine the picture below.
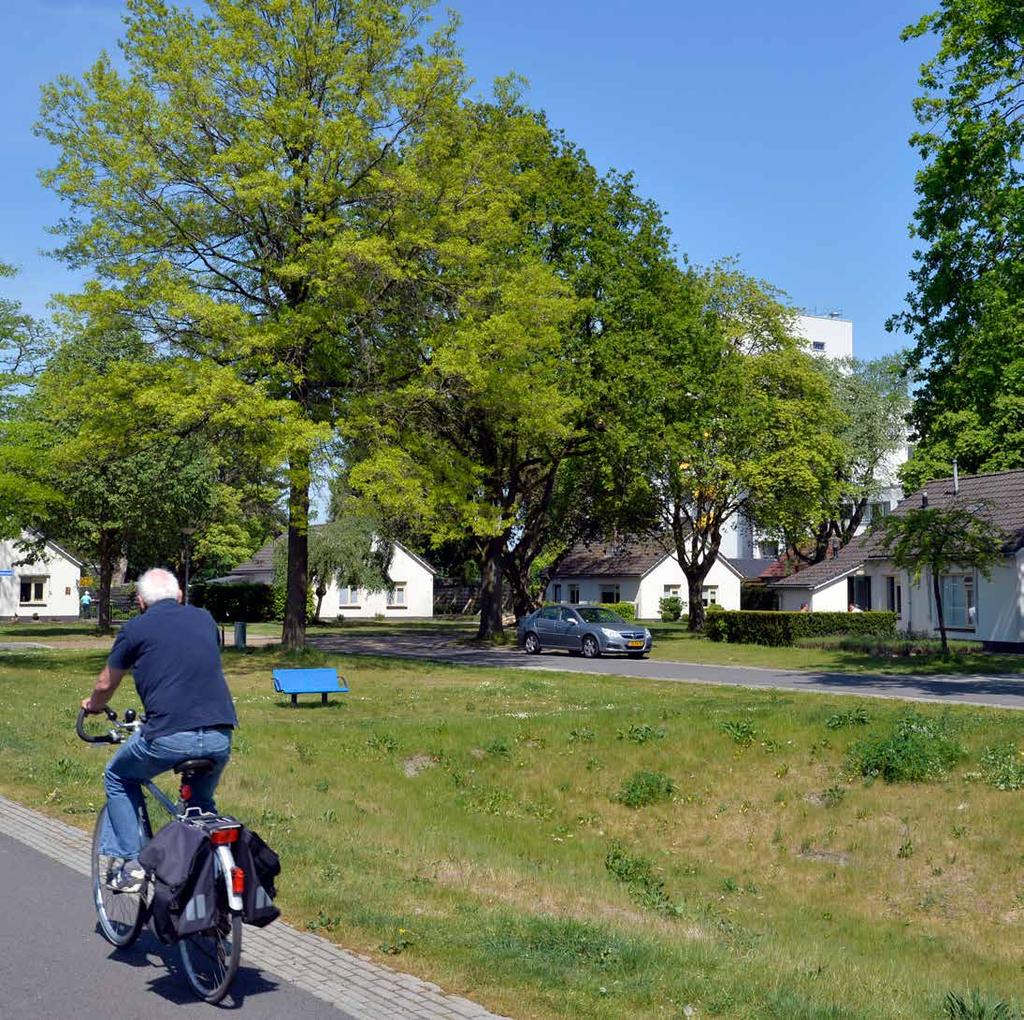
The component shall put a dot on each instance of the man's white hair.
(157, 584)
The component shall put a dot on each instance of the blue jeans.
(140, 759)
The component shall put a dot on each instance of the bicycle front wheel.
(120, 915)
(210, 958)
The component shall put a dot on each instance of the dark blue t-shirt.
(174, 657)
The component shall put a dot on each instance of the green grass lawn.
(466, 821)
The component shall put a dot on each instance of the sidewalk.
(360, 988)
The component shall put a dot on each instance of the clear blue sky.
(774, 132)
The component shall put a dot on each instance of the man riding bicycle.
(174, 656)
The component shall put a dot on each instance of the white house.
(411, 594)
(641, 572)
(45, 587)
(975, 608)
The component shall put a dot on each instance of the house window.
(958, 605)
(33, 590)
(818, 345)
(609, 593)
(556, 593)
(858, 591)
(574, 594)
(709, 595)
(767, 550)
(349, 597)
(672, 591)
(894, 596)
(876, 511)
(398, 598)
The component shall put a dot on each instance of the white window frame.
(709, 595)
(672, 591)
(556, 593)
(894, 595)
(574, 594)
(615, 589)
(349, 597)
(398, 596)
(37, 590)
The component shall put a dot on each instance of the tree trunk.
(108, 561)
(293, 632)
(523, 603)
(937, 591)
(321, 591)
(491, 590)
(695, 596)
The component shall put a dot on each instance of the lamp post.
(187, 534)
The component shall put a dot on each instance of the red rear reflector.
(237, 881)
(219, 837)
(186, 791)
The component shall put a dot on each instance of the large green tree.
(262, 187)
(966, 310)
(132, 452)
(872, 398)
(737, 418)
(526, 376)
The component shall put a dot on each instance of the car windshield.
(600, 616)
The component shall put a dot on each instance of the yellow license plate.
(634, 644)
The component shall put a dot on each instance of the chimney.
(924, 499)
(956, 478)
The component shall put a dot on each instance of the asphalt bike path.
(1005, 691)
(54, 964)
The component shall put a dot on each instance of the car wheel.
(531, 644)
(591, 649)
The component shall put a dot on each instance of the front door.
(547, 627)
(568, 630)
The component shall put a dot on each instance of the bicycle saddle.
(194, 766)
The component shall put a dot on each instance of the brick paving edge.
(353, 983)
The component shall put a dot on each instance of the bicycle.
(210, 958)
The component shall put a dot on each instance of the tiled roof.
(849, 558)
(620, 558)
(999, 498)
(754, 569)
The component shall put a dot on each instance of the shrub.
(1003, 767)
(852, 717)
(916, 749)
(627, 610)
(670, 608)
(784, 629)
(644, 788)
(233, 603)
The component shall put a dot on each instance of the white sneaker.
(129, 879)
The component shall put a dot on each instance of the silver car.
(589, 631)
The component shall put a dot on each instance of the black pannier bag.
(261, 866)
(181, 860)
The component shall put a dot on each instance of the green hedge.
(670, 608)
(233, 603)
(757, 627)
(625, 609)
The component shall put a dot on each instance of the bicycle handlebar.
(110, 737)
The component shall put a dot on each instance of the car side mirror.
(573, 623)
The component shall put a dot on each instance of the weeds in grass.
(833, 796)
(644, 788)
(641, 733)
(741, 731)
(1002, 766)
(977, 1007)
(382, 742)
(498, 748)
(906, 850)
(852, 717)
(402, 941)
(917, 748)
(637, 874)
(583, 735)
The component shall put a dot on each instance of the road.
(997, 691)
(54, 965)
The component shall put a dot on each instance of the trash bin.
(240, 634)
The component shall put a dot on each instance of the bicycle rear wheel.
(210, 958)
(120, 915)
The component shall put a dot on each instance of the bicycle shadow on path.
(172, 985)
